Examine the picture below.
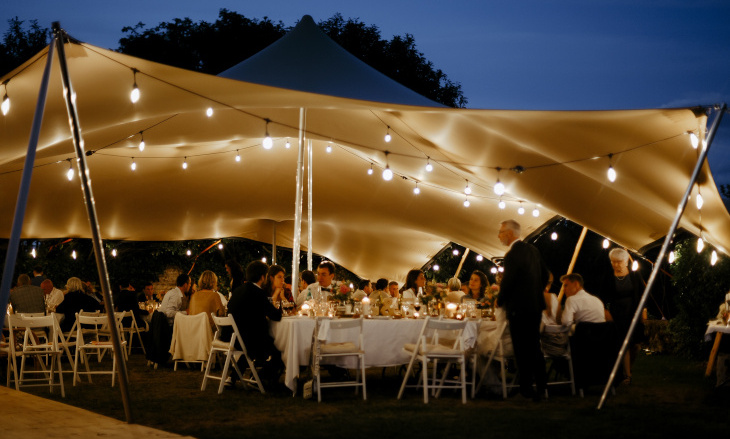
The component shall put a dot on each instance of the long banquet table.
(383, 339)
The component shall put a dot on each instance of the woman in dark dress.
(621, 293)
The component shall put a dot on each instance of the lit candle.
(451, 309)
(305, 309)
(366, 306)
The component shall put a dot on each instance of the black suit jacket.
(250, 307)
(525, 277)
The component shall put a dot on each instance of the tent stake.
(20, 205)
(93, 220)
(665, 246)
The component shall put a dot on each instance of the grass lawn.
(669, 396)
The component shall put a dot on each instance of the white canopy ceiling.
(372, 227)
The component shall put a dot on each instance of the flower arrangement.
(434, 291)
(342, 294)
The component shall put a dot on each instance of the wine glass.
(417, 306)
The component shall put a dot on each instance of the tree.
(19, 43)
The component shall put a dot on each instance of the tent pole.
(20, 205)
(660, 258)
(273, 246)
(309, 206)
(297, 244)
(461, 264)
(572, 264)
(93, 220)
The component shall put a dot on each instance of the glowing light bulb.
(455, 252)
(671, 257)
(287, 145)
(188, 253)
(416, 190)
(329, 149)
(493, 270)
(635, 266)
(480, 258)
(134, 95)
(467, 203)
(370, 171)
(134, 165)
(502, 204)
(141, 145)
(32, 253)
(700, 245)
(209, 112)
(387, 174)
(521, 210)
(499, 188)
(73, 254)
(5, 107)
(467, 189)
(700, 201)
(713, 258)
(185, 163)
(388, 137)
(220, 246)
(263, 259)
(694, 140)
(611, 174)
(114, 252)
(554, 236)
(606, 243)
(429, 166)
(70, 173)
(268, 142)
(500, 269)
(436, 267)
(238, 156)
(535, 212)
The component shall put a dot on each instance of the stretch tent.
(555, 161)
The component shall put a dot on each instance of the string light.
(263, 259)
(114, 252)
(502, 204)
(370, 171)
(220, 246)
(416, 190)
(134, 165)
(436, 267)
(699, 199)
(521, 210)
(188, 252)
(606, 243)
(73, 254)
(209, 112)
(499, 186)
(467, 189)
(480, 258)
(535, 212)
(713, 258)
(70, 172)
(287, 145)
(466, 201)
(493, 270)
(185, 163)
(700, 244)
(455, 252)
(141, 142)
(671, 257)
(5, 107)
(635, 265)
(135, 94)
(238, 156)
(429, 166)
(611, 171)
(32, 252)
(694, 140)
(500, 269)
(329, 148)
(388, 137)
(268, 142)
(387, 173)
(554, 236)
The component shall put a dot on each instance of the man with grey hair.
(525, 277)
(26, 297)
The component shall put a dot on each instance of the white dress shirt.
(583, 307)
(171, 304)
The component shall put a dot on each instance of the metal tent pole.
(297, 244)
(309, 206)
(20, 205)
(665, 246)
(93, 219)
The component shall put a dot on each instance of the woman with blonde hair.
(75, 300)
(206, 299)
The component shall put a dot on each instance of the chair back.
(225, 325)
(47, 323)
(340, 330)
(94, 324)
(435, 330)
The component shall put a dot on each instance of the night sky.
(527, 55)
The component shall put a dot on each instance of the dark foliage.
(20, 43)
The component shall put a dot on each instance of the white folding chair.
(95, 329)
(228, 349)
(502, 356)
(32, 347)
(130, 331)
(10, 345)
(339, 338)
(429, 349)
(191, 339)
(556, 346)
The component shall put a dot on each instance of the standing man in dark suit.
(520, 295)
(251, 310)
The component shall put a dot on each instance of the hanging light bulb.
(134, 95)
(493, 270)
(220, 246)
(611, 171)
(416, 190)
(671, 257)
(700, 245)
(499, 188)
(268, 142)
(141, 141)
(521, 210)
(455, 252)
(606, 243)
(70, 172)
(429, 166)
(370, 171)
(287, 145)
(73, 254)
(387, 173)
(209, 112)
(114, 252)
(436, 267)
(32, 252)
(699, 200)
(535, 212)
(263, 259)
(635, 265)
(134, 165)
(329, 148)
(188, 252)
(500, 269)
(480, 258)
(467, 189)
(466, 202)
(694, 140)
(5, 106)
(185, 163)
(502, 204)
(554, 236)
(713, 258)
(238, 156)
(388, 137)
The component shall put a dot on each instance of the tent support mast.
(273, 245)
(20, 205)
(309, 206)
(297, 244)
(93, 220)
(660, 258)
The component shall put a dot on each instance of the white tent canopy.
(372, 227)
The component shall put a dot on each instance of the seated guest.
(75, 300)
(306, 279)
(147, 294)
(479, 290)
(393, 289)
(579, 305)
(27, 298)
(90, 290)
(381, 291)
(53, 295)
(126, 300)
(274, 285)
(413, 288)
(38, 276)
(364, 289)
(235, 273)
(550, 312)
(251, 310)
(325, 284)
(455, 293)
(176, 300)
(207, 299)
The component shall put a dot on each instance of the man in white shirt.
(579, 305)
(176, 299)
(53, 295)
(325, 283)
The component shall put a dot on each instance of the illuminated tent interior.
(552, 161)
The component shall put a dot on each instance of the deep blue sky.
(507, 54)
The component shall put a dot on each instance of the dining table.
(717, 327)
(383, 341)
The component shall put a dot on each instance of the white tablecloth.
(383, 340)
(715, 326)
